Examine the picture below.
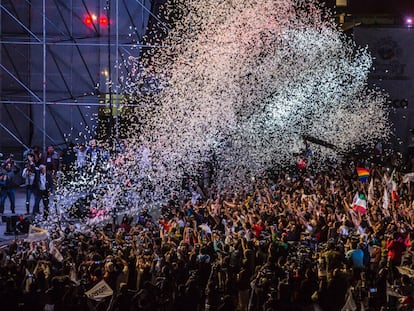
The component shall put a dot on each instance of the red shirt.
(165, 225)
(395, 250)
(257, 230)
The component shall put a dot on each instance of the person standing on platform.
(69, 159)
(51, 160)
(43, 183)
(93, 155)
(29, 174)
(38, 155)
(8, 184)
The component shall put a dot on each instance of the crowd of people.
(293, 241)
(38, 173)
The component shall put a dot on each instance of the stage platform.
(20, 210)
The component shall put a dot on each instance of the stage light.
(103, 21)
(91, 19)
(409, 21)
(88, 21)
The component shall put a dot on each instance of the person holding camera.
(8, 182)
(29, 174)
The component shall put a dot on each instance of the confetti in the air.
(238, 85)
(245, 81)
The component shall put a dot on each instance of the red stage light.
(88, 21)
(103, 21)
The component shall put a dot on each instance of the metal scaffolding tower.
(60, 62)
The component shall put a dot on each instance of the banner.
(393, 70)
(37, 234)
(99, 291)
(408, 178)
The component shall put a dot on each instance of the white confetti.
(245, 81)
(238, 84)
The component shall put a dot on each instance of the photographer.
(29, 174)
(8, 182)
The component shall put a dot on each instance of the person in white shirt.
(29, 174)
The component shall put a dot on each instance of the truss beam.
(64, 67)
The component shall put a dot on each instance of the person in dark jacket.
(8, 183)
(43, 184)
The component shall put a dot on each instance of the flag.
(301, 163)
(36, 234)
(371, 191)
(99, 291)
(205, 228)
(385, 200)
(55, 252)
(354, 200)
(360, 205)
(194, 197)
(394, 194)
(332, 187)
(388, 180)
(363, 174)
(408, 178)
